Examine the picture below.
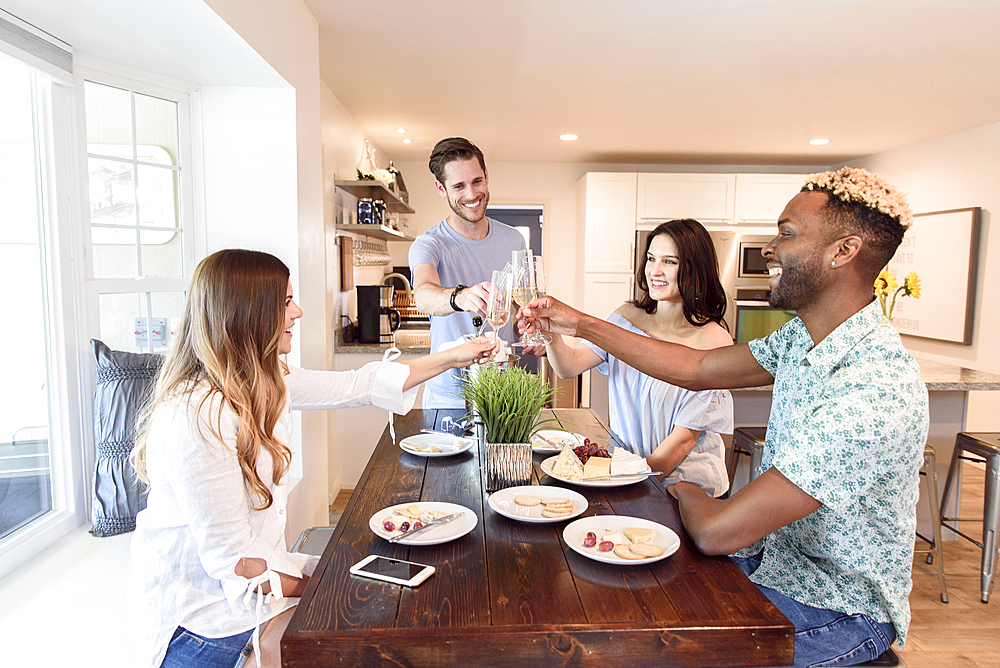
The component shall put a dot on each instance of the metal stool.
(886, 659)
(930, 482)
(747, 441)
(313, 540)
(987, 446)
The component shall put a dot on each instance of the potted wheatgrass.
(508, 402)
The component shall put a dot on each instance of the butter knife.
(437, 522)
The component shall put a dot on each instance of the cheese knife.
(437, 522)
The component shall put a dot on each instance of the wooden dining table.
(511, 593)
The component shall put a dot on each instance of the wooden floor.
(963, 633)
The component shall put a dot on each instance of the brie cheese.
(568, 466)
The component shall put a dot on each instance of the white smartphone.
(407, 573)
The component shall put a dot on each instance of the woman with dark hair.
(209, 562)
(677, 430)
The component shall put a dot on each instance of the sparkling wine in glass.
(498, 305)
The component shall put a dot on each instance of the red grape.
(590, 540)
(404, 527)
(606, 546)
(388, 525)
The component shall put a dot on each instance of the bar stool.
(985, 445)
(747, 441)
(929, 472)
(887, 659)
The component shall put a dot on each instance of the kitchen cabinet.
(608, 205)
(760, 198)
(603, 293)
(708, 198)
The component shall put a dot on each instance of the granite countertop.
(409, 341)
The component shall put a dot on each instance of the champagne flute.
(529, 283)
(537, 279)
(498, 304)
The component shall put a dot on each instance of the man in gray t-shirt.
(452, 262)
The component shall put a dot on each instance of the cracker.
(625, 552)
(646, 549)
(556, 500)
(527, 500)
(550, 512)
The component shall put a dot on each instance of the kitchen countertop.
(409, 341)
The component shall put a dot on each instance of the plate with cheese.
(436, 445)
(554, 440)
(621, 540)
(567, 467)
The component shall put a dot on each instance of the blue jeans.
(190, 650)
(826, 637)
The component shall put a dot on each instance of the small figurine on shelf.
(366, 164)
(398, 186)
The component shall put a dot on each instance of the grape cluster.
(590, 449)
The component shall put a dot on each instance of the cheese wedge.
(568, 465)
(616, 538)
(637, 535)
(597, 467)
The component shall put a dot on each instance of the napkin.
(624, 462)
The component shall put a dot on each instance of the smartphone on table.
(397, 571)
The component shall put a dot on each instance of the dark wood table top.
(512, 593)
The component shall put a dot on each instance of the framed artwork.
(942, 247)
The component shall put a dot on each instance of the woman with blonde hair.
(209, 562)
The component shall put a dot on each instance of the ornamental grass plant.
(508, 401)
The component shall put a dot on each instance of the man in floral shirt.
(827, 529)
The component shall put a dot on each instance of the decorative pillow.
(123, 382)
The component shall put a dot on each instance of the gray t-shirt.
(460, 260)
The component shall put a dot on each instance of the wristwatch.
(454, 293)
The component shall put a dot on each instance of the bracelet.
(454, 293)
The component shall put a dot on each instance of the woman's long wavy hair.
(227, 341)
(697, 274)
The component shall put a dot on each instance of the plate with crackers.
(547, 441)
(401, 518)
(621, 540)
(538, 503)
(436, 445)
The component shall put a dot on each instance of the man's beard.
(799, 281)
(464, 213)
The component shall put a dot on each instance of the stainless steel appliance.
(377, 320)
(743, 272)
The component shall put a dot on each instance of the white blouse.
(198, 521)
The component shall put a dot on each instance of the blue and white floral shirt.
(848, 426)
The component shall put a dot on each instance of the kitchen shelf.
(377, 231)
(375, 190)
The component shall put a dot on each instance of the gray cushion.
(123, 382)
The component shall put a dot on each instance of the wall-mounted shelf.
(377, 231)
(375, 190)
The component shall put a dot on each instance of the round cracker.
(625, 552)
(556, 500)
(548, 512)
(527, 500)
(646, 549)
(561, 506)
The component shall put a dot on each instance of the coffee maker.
(377, 320)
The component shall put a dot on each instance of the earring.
(833, 263)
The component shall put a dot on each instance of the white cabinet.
(760, 198)
(603, 293)
(708, 198)
(608, 203)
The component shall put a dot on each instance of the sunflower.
(886, 283)
(911, 285)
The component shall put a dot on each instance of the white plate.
(503, 503)
(576, 531)
(442, 534)
(539, 444)
(549, 463)
(450, 445)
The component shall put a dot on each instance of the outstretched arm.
(568, 361)
(723, 526)
(428, 366)
(433, 299)
(718, 368)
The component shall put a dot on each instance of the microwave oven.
(751, 263)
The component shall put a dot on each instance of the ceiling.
(662, 81)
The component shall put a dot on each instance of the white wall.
(958, 171)
(286, 35)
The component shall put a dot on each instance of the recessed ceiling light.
(406, 141)
(400, 130)
(819, 142)
(568, 137)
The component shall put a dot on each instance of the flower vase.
(507, 465)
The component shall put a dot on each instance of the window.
(25, 471)
(140, 245)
